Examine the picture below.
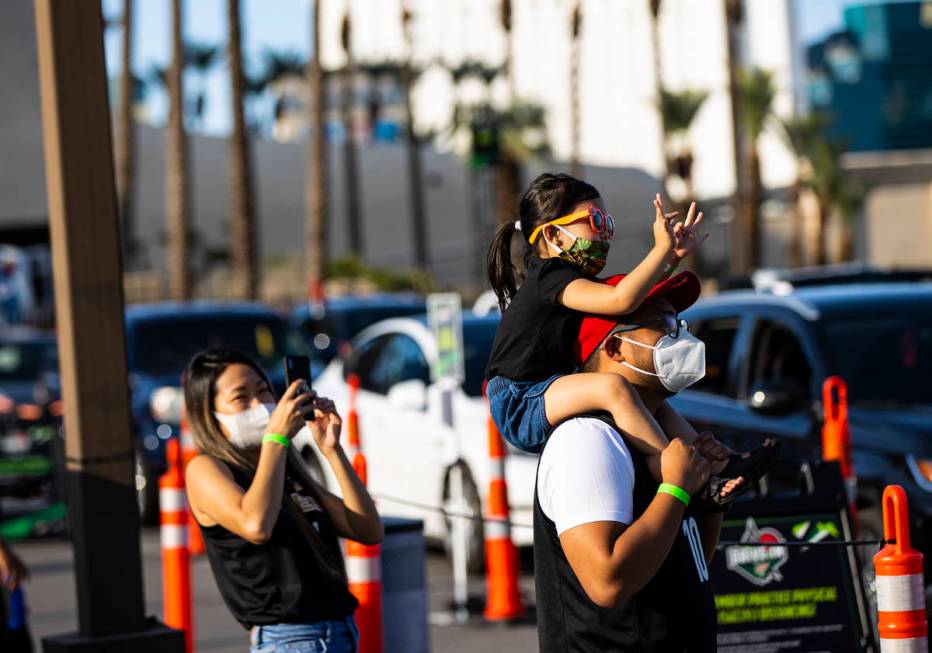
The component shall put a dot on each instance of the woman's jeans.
(319, 637)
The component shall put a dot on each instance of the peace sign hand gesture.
(687, 235)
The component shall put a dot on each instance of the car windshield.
(27, 361)
(885, 359)
(477, 345)
(164, 345)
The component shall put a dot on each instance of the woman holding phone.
(270, 530)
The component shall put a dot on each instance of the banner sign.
(445, 319)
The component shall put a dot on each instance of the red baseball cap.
(681, 290)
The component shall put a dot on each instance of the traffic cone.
(188, 453)
(364, 573)
(901, 604)
(354, 448)
(503, 598)
(836, 437)
(176, 562)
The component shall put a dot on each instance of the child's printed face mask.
(585, 255)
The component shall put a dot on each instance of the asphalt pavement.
(50, 595)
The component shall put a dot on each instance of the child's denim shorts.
(518, 410)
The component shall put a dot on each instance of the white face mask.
(679, 361)
(247, 427)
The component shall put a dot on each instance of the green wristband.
(672, 490)
(277, 439)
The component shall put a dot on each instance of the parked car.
(329, 328)
(410, 450)
(161, 338)
(768, 355)
(30, 437)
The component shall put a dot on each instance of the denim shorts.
(518, 410)
(338, 636)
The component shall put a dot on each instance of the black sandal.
(752, 465)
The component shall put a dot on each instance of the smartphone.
(298, 367)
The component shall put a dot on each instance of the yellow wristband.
(672, 490)
(277, 439)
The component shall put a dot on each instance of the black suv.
(768, 354)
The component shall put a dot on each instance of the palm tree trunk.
(846, 245)
(794, 238)
(575, 167)
(124, 142)
(739, 228)
(821, 236)
(243, 246)
(413, 146)
(351, 170)
(316, 187)
(507, 189)
(176, 175)
(753, 205)
(658, 91)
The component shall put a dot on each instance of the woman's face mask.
(679, 361)
(587, 256)
(247, 427)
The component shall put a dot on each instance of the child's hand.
(664, 234)
(687, 234)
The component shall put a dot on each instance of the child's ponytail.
(501, 271)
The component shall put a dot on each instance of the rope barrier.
(720, 545)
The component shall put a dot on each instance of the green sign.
(445, 318)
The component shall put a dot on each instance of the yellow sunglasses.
(601, 223)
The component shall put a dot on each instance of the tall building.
(875, 76)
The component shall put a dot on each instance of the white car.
(409, 449)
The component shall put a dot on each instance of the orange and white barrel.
(364, 573)
(901, 605)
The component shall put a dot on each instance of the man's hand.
(684, 466)
(12, 570)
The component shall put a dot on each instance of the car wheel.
(472, 510)
(870, 527)
(147, 491)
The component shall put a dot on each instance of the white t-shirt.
(586, 475)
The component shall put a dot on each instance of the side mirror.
(408, 395)
(778, 397)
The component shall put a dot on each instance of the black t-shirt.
(675, 611)
(295, 577)
(536, 335)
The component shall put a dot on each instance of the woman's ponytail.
(501, 271)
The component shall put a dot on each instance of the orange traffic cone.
(364, 573)
(836, 437)
(503, 600)
(901, 603)
(354, 448)
(188, 453)
(176, 562)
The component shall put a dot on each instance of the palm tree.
(575, 24)
(201, 57)
(677, 112)
(285, 75)
(353, 210)
(243, 246)
(124, 142)
(734, 15)
(756, 91)
(801, 135)
(507, 170)
(413, 147)
(176, 173)
(316, 186)
(654, 6)
(834, 189)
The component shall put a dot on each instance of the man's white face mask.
(247, 427)
(679, 361)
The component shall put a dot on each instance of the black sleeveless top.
(295, 577)
(675, 611)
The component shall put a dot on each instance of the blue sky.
(283, 25)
